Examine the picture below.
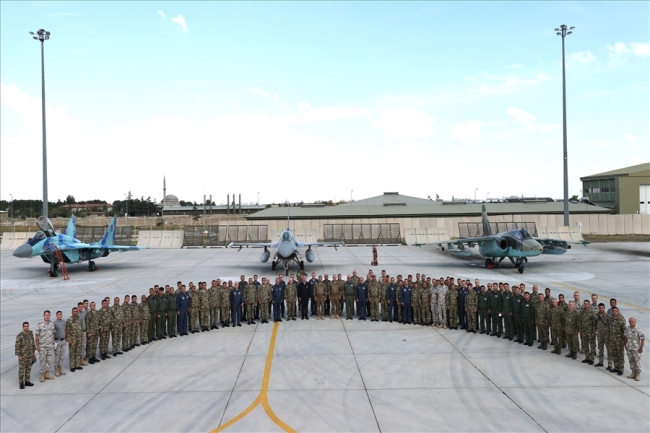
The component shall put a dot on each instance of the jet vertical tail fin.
(487, 230)
(109, 237)
(71, 230)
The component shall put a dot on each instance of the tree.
(70, 199)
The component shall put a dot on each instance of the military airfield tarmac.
(331, 375)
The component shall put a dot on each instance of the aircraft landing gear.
(286, 269)
(273, 265)
(519, 264)
(54, 271)
(302, 265)
(91, 266)
(489, 263)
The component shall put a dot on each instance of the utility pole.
(564, 31)
(43, 36)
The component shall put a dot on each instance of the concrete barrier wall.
(12, 240)
(427, 235)
(302, 235)
(160, 239)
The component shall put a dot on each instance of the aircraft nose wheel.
(92, 267)
(286, 270)
(489, 263)
(521, 269)
(273, 265)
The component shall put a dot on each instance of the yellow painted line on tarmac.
(619, 303)
(262, 398)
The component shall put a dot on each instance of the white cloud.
(629, 137)
(273, 96)
(582, 57)
(621, 51)
(509, 84)
(467, 132)
(200, 97)
(180, 20)
(521, 115)
(406, 123)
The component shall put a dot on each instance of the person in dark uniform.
(392, 297)
(183, 304)
(283, 286)
(153, 313)
(161, 320)
(462, 314)
(304, 290)
(236, 302)
(407, 306)
(312, 283)
(276, 299)
(362, 299)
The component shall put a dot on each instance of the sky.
(320, 100)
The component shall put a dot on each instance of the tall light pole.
(12, 206)
(475, 195)
(486, 194)
(564, 31)
(43, 36)
(351, 191)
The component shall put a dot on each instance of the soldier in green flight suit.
(508, 315)
(153, 313)
(172, 313)
(483, 306)
(161, 318)
(517, 301)
(528, 320)
(495, 311)
(349, 289)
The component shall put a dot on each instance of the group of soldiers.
(495, 310)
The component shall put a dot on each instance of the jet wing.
(241, 245)
(470, 242)
(65, 246)
(554, 246)
(319, 244)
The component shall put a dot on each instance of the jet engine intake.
(503, 244)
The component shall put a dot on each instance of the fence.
(222, 235)
(387, 233)
(472, 230)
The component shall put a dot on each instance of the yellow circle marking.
(262, 398)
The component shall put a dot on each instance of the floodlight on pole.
(565, 31)
(12, 206)
(475, 195)
(43, 36)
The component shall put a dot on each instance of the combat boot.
(545, 346)
(559, 351)
(638, 375)
(42, 379)
(83, 363)
(61, 372)
(570, 354)
(48, 376)
(541, 345)
(554, 349)
(633, 375)
(574, 355)
(56, 371)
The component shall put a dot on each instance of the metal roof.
(622, 171)
(430, 210)
(389, 199)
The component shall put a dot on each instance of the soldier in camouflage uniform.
(557, 323)
(471, 307)
(416, 301)
(105, 322)
(440, 303)
(328, 287)
(73, 336)
(24, 349)
(425, 303)
(135, 315)
(264, 295)
(92, 333)
(215, 303)
(564, 306)
(451, 300)
(116, 326)
(374, 294)
(225, 303)
(588, 332)
(243, 286)
(204, 307)
(127, 323)
(602, 331)
(251, 301)
(320, 292)
(45, 335)
(335, 297)
(541, 320)
(144, 320)
(291, 296)
(616, 338)
(634, 341)
(571, 329)
(195, 305)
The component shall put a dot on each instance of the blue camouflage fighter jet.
(53, 247)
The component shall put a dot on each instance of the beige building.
(626, 190)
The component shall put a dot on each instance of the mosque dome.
(171, 200)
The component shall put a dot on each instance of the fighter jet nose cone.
(24, 251)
